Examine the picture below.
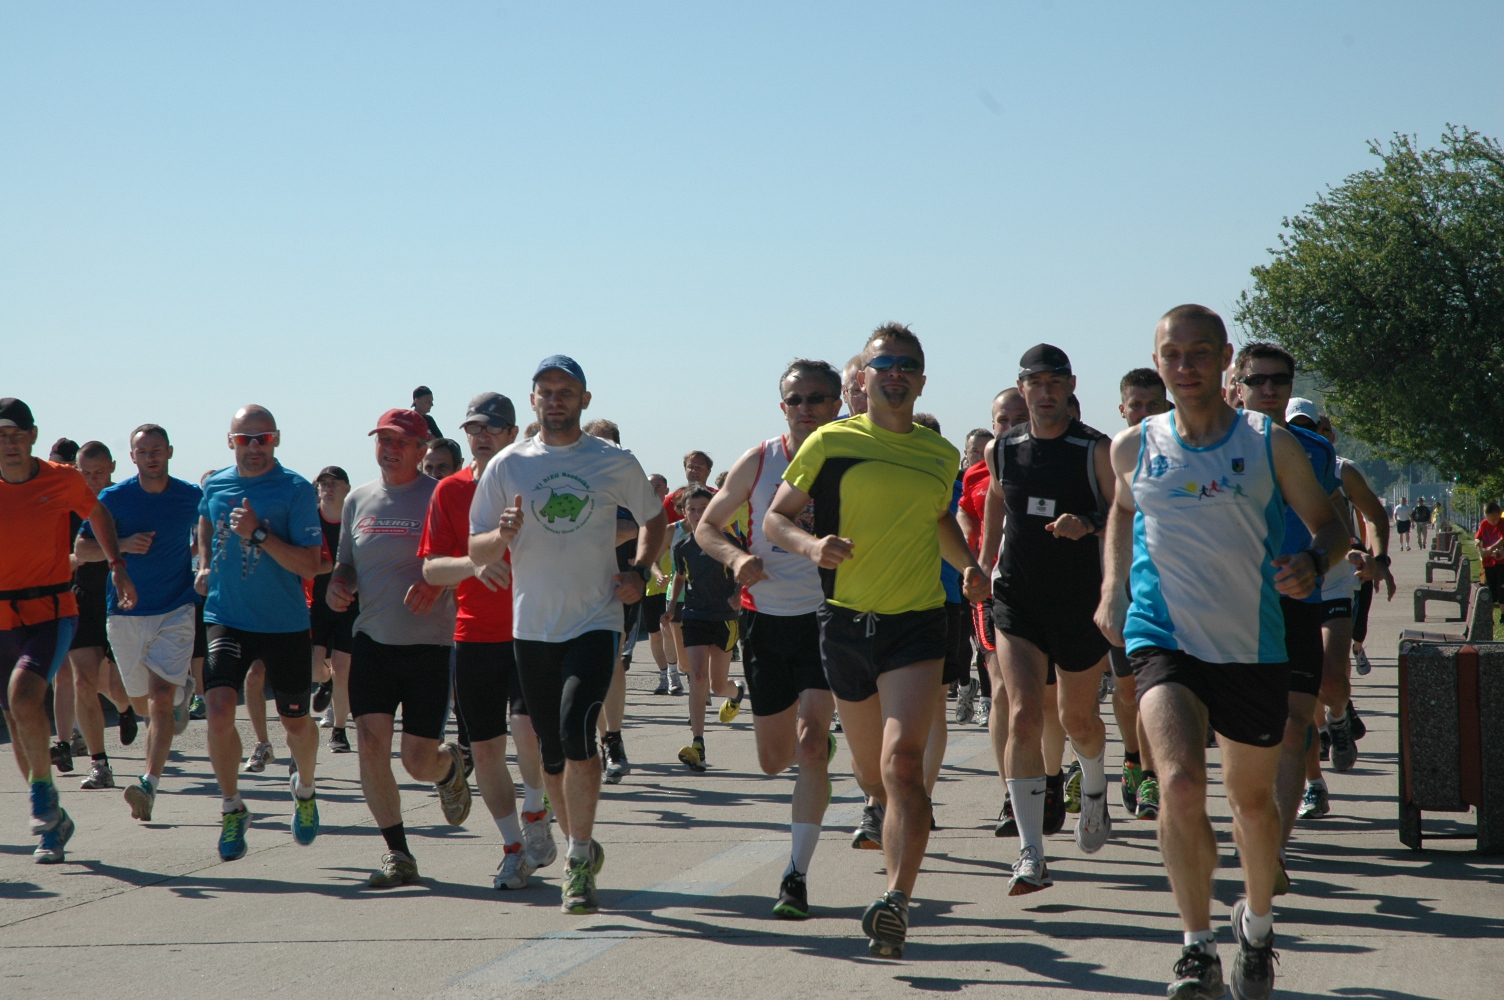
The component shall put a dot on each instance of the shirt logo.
(387, 526)
(1216, 489)
(1041, 507)
(563, 503)
(1237, 466)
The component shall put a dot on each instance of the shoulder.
(1085, 432)
(1018, 434)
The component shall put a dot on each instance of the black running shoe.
(1359, 730)
(1326, 745)
(1198, 976)
(868, 836)
(886, 922)
(793, 898)
(1253, 970)
(128, 726)
(339, 742)
(62, 756)
(1054, 804)
(322, 695)
(1007, 826)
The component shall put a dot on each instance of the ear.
(585, 401)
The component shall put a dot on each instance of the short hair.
(532, 429)
(852, 365)
(700, 454)
(807, 368)
(658, 475)
(1492, 507)
(1200, 315)
(895, 331)
(1261, 350)
(927, 420)
(64, 450)
(978, 432)
(450, 445)
(603, 429)
(720, 479)
(95, 449)
(1141, 378)
(149, 429)
(696, 492)
(1012, 388)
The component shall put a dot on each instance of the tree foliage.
(1391, 289)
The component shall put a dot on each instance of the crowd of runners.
(1209, 567)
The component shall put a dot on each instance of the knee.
(1182, 791)
(221, 702)
(1080, 721)
(1025, 722)
(1253, 807)
(904, 765)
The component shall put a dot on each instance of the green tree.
(1391, 289)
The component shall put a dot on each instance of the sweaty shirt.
(481, 614)
(163, 575)
(36, 541)
(379, 536)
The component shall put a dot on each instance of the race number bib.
(1041, 507)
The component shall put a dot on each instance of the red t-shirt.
(974, 484)
(35, 541)
(485, 615)
(1489, 534)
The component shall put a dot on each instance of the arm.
(488, 547)
(629, 585)
(626, 530)
(954, 550)
(778, 524)
(1117, 555)
(673, 598)
(303, 560)
(1073, 527)
(205, 556)
(102, 522)
(342, 587)
(1363, 498)
(993, 512)
(711, 534)
(1298, 572)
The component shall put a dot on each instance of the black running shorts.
(39, 649)
(1246, 702)
(1122, 666)
(1069, 638)
(1303, 644)
(858, 647)
(486, 688)
(200, 632)
(703, 632)
(333, 630)
(781, 659)
(957, 643)
(1362, 602)
(416, 677)
(288, 657)
(1337, 608)
(565, 684)
(653, 606)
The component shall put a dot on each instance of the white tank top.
(1210, 522)
(1341, 581)
(793, 583)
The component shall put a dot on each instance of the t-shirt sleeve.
(490, 498)
(805, 468)
(81, 499)
(634, 492)
(303, 524)
(439, 537)
(347, 534)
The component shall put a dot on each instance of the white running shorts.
(162, 644)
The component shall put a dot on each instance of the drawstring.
(871, 617)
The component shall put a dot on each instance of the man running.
(333, 631)
(486, 686)
(552, 500)
(882, 488)
(400, 653)
(853, 386)
(38, 611)
(259, 524)
(1201, 488)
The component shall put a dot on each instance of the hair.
(606, 429)
(806, 368)
(696, 492)
(64, 450)
(658, 475)
(978, 432)
(95, 449)
(1260, 350)
(1492, 507)
(1073, 401)
(1141, 378)
(1012, 388)
(927, 420)
(149, 429)
(1199, 315)
(854, 364)
(700, 454)
(720, 479)
(894, 331)
(450, 445)
(532, 429)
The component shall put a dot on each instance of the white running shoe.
(513, 871)
(539, 839)
(1094, 825)
(259, 757)
(966, 702)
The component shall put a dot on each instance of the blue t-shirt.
(248, 589)
(163, 575)
(1324, 462)
(950, 577)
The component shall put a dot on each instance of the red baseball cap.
(406, 422)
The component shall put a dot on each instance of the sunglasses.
(1254, 381)
(264, 438)
(813, 399)
(477, 429)
(906, 365)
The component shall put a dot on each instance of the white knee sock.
(1093, 773)
(532, 798)
(806, 837)
(1028, 796)
(511, 829)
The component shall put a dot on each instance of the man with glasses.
(259, 526)
(882, 488)
(333, 631)
(780, 593)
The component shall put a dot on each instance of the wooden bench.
(1459, 592)
(1480, 622)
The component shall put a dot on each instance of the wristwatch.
(1318, 560)
(259, 535)
(1382, 560)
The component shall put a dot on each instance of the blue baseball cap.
(561, 362)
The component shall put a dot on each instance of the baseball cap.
(492, 409)
(422, 390)
(569, 366)
(1299, 406)
(333, 472)
(14, 413)
(406, 422)
(1043, 358)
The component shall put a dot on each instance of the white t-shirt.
(1401, 512)
(564, 556)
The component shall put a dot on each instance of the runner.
(1490, 539)
(853, 386)
(423, 402)
(697, 466)
(1201, 487)
(443, 458)
(791, 700)
(882, 489)
(966, 691)
(654, 603)
(333, 631)
(260, 524)
(1055, 479)
(552, 499)
(38, 611)
(487, 689)
(400, 653)
(1402, 523)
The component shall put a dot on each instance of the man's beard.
(895, 396)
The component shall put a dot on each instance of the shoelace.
(235, 827)
(1258, 962)
(1192, 964)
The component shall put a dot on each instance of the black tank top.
(1042, 479)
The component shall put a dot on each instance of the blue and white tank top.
(1209, 523)
(793, 583)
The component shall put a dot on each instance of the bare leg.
(1290, 782)
(255, 700)
(377, 782)
(340, 663)
(28, 723)
(908, 717)
(1175, 722)
(64, 712)
(934, 750)
(224, 739)
(1125, 711)
(1248, 778)
(529, 755)
(159, 699)
(303, 743)
(492, 776)
(17, 750)
(1336, 684)
(696, 664)
(614, 708)
(1079, 713)
(720, 672)
(1052, 735)
(85, 664)
(997, 723)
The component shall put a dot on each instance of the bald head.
(252, 419)
(1192, 316)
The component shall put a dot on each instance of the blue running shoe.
(305, 816)
(45, 812)
(232, 834)
(50, 850)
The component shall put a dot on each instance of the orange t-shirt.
(35, 542)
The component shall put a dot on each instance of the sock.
(151, 780)
(613, 735)
(1255, 928)
(101, 756)
(1132, 758)
(1093, 773)
(579, 849)
(806, 837)
(1028, 808)
(301, 791)
(231, 803)
(396, 838)
(1336, 718)
(1207, 939)
(511, 829)
(532, 798)
(1318, 782)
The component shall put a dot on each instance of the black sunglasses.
(906, 365)
(1279, 378)
(813, 399)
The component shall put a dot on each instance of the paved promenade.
(693, 862)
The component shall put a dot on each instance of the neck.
(22, 471)
(1203, 420)
(559, 438)
(155, 484)
(398, 477)
(478, 465)
(332, 510)
(245, 473)
(1049, 429)
(899, 421)
(796, 440)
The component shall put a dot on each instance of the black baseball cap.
(14, 413)
(492, 409)
(333, 472)
(422, 390)
(1043, 358)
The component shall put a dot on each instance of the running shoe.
(1316, 802)
(617, 765)
(141, 797)
(886, 922)
(1361, 663)
(1281, 879)
(1344, 748)
(1073, 788)
(1030, 873)
(339, 742)
(50, 850)
(128, 726)
(835, 722)
(597, 856)
(322, 696)
(259, 757)
(232, 834)
(326, 721)
(793, 898)
(732, 707)
(469, 757)
(1359, 729)
(305, 815)
(396, 869)
(662, 687)
(1253, 970)
(539, 838)
(1094, 825)
(868, 835)
(693, 756)
(1326, 744)
(1133, 776)
(1148, 799)
(579, 888)
(676, 684)
(966, 702)
(983, 712)
(45, 810)
(62, 756)
(180, 707)
(1006, 826)
(198, 708)
(1054, 804)
(1198, 976)
(1106, 686)
(454, 792)
(79, 746)
(514, 870)
(100, 776)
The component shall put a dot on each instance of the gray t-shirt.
(379, 536)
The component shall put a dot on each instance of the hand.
(667, 618)
(125, 590)
(975, 586)
(497, 576)
(339, 596)
(1112, 614)
(1388, 580)
(660, 578)
(201, 582)
(628, 586)
(420, 597)
(831, 551)
(243, 519)
(1068, 526)
(138, 544)
(511, 520)
(748, 569)
(1297, 575)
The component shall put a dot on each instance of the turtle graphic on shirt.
(565, 505)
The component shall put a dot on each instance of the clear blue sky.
(319, 206)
